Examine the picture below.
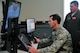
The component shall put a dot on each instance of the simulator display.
(13, 11)
(30, 25)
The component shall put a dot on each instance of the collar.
(72, 14)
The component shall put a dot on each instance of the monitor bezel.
(3, 30)
(27, 25)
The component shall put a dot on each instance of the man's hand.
(37, 40)
(32, 49)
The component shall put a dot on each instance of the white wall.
(40, 9)
(1, 15)
(66, 7)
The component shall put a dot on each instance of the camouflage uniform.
(62, 40)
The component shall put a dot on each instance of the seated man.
(61, 43)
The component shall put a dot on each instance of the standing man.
(61, 42)
(72, 24)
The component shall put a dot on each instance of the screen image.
(13, 11)
(30, 25)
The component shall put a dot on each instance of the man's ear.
(55, 21)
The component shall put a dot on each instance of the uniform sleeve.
(45, 40)
(56, 45)
(65, 23)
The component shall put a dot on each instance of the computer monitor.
(14, 8)
(30, 25)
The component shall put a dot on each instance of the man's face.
(73, 7)
(51, 22)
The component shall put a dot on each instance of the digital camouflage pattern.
(62, 42)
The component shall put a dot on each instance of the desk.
(20, 51)
(4, 52)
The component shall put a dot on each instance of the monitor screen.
(13, 11)
(30, 24)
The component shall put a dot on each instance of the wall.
(40, 9)
(1, 15)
